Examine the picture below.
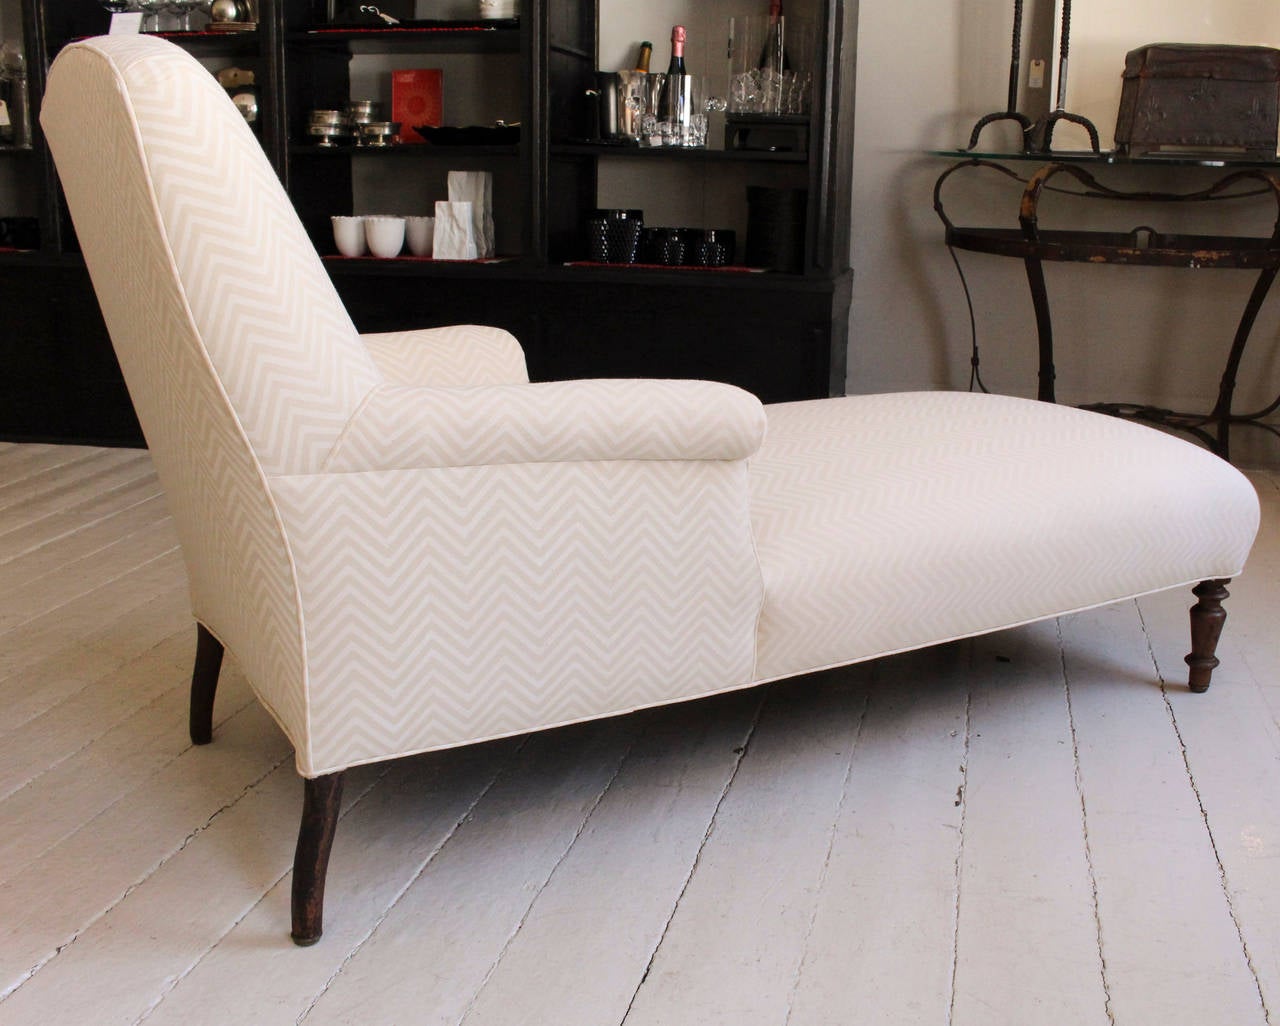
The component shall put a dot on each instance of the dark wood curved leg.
(204, 684)
(321, 799)
(1207, 618)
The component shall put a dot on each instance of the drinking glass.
(183, 10)
(151, 11)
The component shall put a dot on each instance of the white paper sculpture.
(455, 236)
(476, 188)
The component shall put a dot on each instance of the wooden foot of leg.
(204, 683)
(321, 799)
(1207, 618)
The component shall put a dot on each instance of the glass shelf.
(1116, 159)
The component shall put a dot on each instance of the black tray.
(470, 135)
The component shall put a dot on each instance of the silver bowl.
(330, 135)
(328, 117)
(378, 133)
(361, 112)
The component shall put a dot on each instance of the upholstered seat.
(407, 546)
(889, 522)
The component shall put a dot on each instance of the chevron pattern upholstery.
(488, 557)
(890, 522)
(456, 357)
(407, 546)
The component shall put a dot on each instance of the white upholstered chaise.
(408, 547)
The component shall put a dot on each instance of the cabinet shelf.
(215, 44)
(692, 154)
(654, 276)
(500, 36)
(779, 334)
(408, 151)
(417, 267)
(580, 271)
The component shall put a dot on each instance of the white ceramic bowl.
(420, 233)
(498, 8)
(384, 234)
(348, 235)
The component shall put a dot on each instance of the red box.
(417, 98)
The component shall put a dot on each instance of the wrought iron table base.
(1143, 247)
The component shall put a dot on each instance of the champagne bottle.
(773, 55)
(646, 51)
(669, 106)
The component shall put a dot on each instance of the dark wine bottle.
(773, 55)
(669, 107)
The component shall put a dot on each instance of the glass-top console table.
(1143, 246)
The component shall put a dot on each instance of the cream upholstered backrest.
(239, 357)
(198, 201)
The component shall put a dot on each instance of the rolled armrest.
(624, 419)
(459, 356)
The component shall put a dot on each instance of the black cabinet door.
(61, 381)
(777, 341)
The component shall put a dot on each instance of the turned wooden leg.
(1207, 618)
(204, 683)
(320, 802)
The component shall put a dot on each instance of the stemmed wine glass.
(151, 11)
(119, 6)
(183, 10)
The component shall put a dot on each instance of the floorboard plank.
(434, 950)
(33, 469)
(44, 908)
(601, 915)
(21, 463)
(69, 727)
(114, 761)
(1027, 939)
(734, 946)
(94, 536)
(1231, 738)
(28, 534)
(383, 845)
(1170, 947)
(64, 628)
(201, 890)
(883, 937)
(57, 488)
(52, 591)
(43, 683)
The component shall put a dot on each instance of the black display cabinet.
(779, 334)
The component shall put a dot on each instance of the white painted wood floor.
(1042, 826)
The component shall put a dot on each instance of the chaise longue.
(407, 546)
